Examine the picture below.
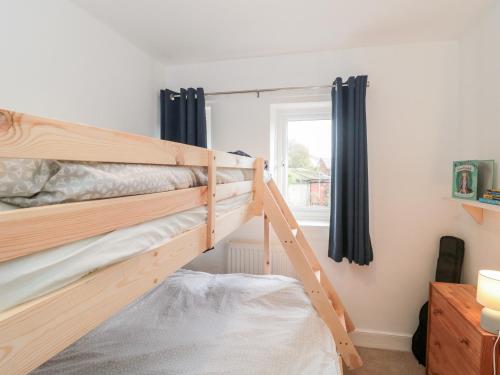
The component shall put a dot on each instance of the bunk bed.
(41, 325)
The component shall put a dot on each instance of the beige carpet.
(387, 362)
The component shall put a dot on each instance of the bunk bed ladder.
(309, 270)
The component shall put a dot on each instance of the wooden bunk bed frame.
(33, 332)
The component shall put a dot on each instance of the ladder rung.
(342, 319)
(318, 274)
(339, 312)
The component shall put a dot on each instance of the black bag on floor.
(449, 270)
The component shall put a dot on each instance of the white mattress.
(28, 277)
(198, 323)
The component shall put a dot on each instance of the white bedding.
(198, 323)
(28, 277)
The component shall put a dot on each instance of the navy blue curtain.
(183, 118)
(349, 218)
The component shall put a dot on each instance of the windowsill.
(314, 223)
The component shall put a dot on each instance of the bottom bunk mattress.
(199, 323)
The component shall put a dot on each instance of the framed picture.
(465, 176)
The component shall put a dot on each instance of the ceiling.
(186, 31)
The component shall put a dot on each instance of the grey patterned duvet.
(30, 183)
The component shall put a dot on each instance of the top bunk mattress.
(31, 276)
(36, 182)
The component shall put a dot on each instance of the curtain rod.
(259, 91)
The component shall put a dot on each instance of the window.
(208, 116)
(303, 154)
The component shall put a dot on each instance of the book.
(489, 201)
(473, 178)
(465, 179)
(491, 196)
(492, 193)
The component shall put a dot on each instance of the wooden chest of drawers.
(456, 344)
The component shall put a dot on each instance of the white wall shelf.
(476, 208)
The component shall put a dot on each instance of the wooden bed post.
(211, 199)
(267, 251)
(258, 209)
(258, 203)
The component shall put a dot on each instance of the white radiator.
(245, 257)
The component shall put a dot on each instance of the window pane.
(309, 163)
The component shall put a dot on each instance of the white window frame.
(281, 114)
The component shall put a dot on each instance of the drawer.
(443, 355)
(453, 343)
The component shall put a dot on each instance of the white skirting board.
(381, 340)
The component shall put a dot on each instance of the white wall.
(60, 62)
(413, 136)
(480, 129)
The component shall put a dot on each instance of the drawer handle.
(437, 312)
(466, 342)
